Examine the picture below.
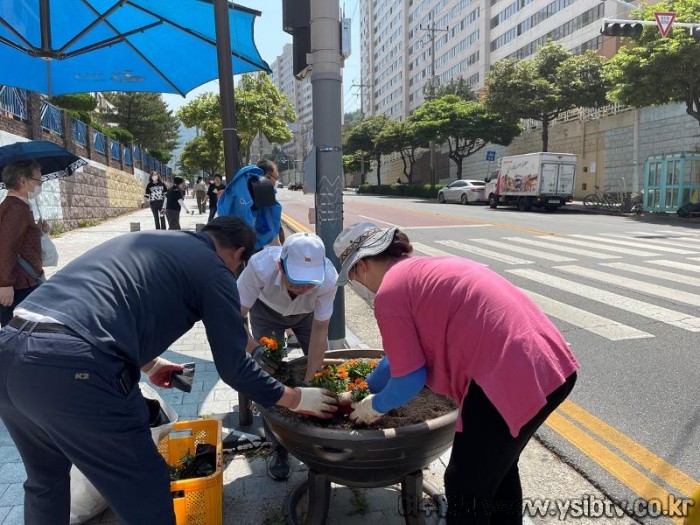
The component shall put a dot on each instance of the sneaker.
(278, 467)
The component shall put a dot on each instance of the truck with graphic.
(544, 180)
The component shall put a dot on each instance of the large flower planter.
(362, 458)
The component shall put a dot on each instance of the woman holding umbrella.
(20, 236)
(462, 330)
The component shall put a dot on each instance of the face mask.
(365, 293)
(35, 192)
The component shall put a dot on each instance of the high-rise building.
(469, 36)
(299, 93)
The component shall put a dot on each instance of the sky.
(270, 40)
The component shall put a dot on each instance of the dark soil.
(426, 405)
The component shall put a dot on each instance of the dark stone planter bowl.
(364, 458)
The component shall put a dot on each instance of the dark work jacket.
(135, 295)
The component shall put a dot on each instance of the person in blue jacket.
(71, 358)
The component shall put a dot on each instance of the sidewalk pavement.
(250, 496)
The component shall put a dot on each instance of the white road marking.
(656, 273)
(372, 219)
(523, 251)
(679, 265)
(557, 247)
(484, 253)
(638, 244)
(428, 250)
(614, 249)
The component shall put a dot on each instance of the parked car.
(464, 191)
(295, 186)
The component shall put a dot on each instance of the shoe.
(278, 467)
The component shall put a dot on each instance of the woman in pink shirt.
(464, 331)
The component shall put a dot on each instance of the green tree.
(80, 106)
(362, 138)
(465, 126)
(352, 119)
(202, 154)
(543, 87)
(457, 86)
(261, 108)
(655, 70)
(401, 137)
(147, 118)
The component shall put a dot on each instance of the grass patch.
(359, 501)
(88, 223)
(57, 228)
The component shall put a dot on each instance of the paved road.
(624, 291)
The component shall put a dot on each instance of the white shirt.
(262, 280)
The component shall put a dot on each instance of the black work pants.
(173, 219)
(6, 312)
(482, 481)
(212, 211)
(156, 207)
(64, 402)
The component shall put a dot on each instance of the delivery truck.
(544, 180)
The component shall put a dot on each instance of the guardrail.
(14, 102)
(79, 132)
(51, 118)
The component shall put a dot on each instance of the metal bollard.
(135, 226)
(199, 227)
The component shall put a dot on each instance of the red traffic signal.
(627, 29)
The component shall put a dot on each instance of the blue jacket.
(237, 201)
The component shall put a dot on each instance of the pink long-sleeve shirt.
(464, 322)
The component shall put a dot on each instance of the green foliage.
(655, 70)
(148, 119)
(465, 126)
(82, 116)
(548, 84)
(352, 119)
(424, 191)
(457, 86)
(57, 228)
(161, 155)
(363, 137)
(120, 135)
(402, 137)
(88, 223)
(203, 153)
(80, 102)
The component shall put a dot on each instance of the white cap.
(304, 259)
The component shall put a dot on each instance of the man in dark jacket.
(71, 356)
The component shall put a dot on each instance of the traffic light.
(628, 29)
(296, 20)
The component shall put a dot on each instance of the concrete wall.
(612, 150)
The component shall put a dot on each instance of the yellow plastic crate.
(197, 501)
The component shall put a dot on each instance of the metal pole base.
(244, 428)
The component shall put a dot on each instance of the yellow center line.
(611, 462)
(639, 454)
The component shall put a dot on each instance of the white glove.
(317, 402)
(363, 413)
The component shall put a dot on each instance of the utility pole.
(431, 90)
(327, 91)
(362, 112)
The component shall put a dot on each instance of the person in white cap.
(463, 331)
(290, 286)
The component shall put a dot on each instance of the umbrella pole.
(228, 104)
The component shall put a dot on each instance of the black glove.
(269, 366)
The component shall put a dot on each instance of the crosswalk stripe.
(524, 251)
(694, 258)
(556, 247)
(638, 244)
(679, 265)
(656, 273)
(614, 249)
(651, 311)
(604, 327)
(674, 241)
(428, 250)
(633, 284)
(484, 253)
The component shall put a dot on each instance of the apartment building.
(299, 92)
(398, 36)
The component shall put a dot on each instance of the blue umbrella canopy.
(55, 161)
(76, 46)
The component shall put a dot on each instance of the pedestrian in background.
(20, 237)
(155, 198)
(200, 193)
(271, 172)
(70, 364)
(467, 333)
(215, 189)
(292, 286)
(175, 202)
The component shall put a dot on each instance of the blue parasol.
(77, 46)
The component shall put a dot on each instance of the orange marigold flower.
(363, 385)
(351, 387)
(359, 380)
(342, 373)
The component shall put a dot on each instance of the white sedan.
(464, 191)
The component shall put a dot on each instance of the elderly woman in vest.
(20, 236)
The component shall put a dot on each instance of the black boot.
(278, 467)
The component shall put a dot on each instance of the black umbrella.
(55, 161)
